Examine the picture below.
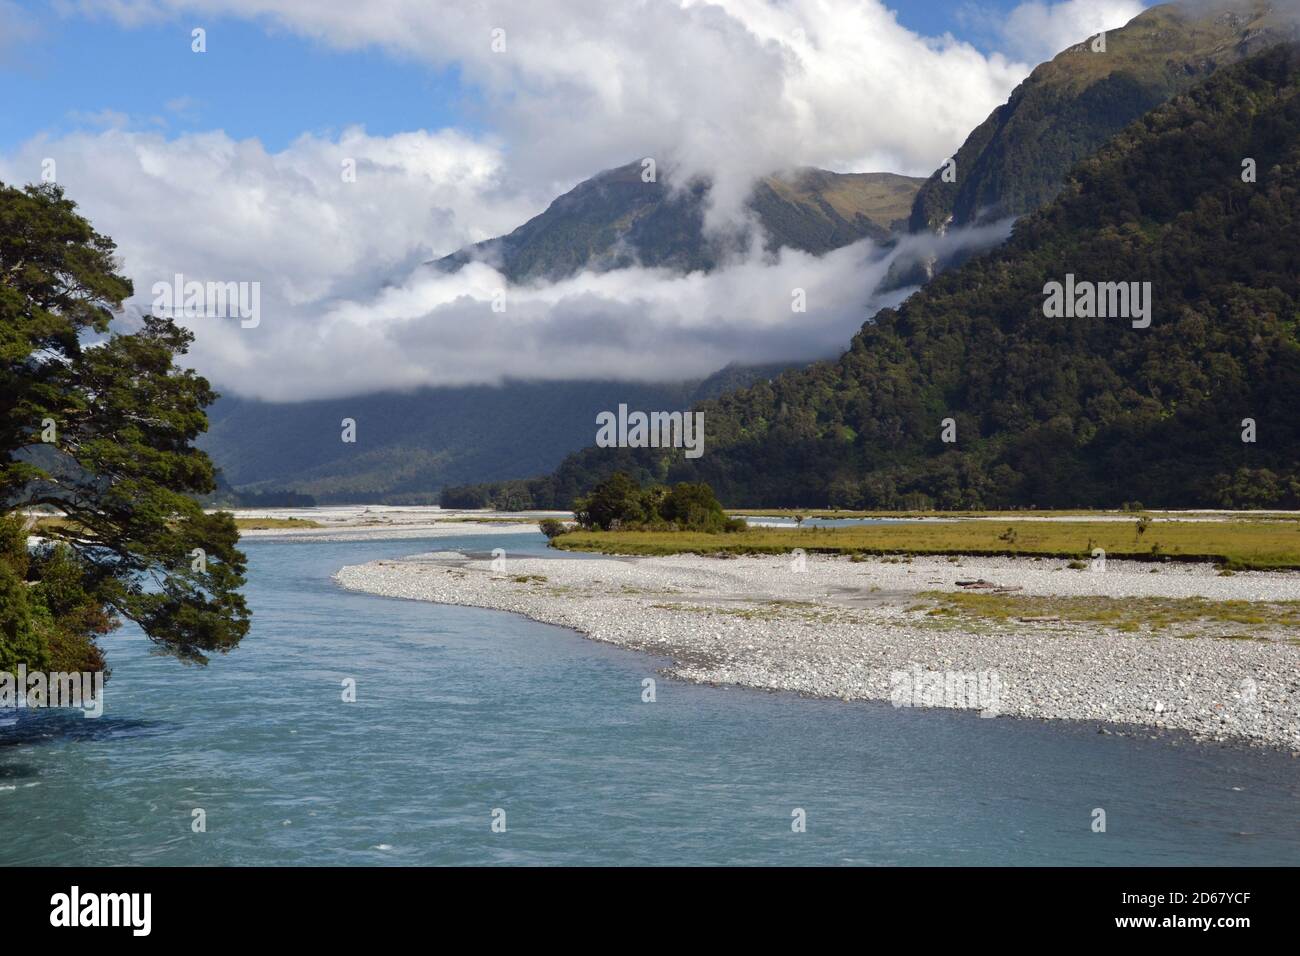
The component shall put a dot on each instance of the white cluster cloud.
(1038, 31)
(740, 86)
(732, 89)
(220, 209)
(634, 324)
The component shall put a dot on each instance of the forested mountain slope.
(1061, 412)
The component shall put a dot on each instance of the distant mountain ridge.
(1016, 160)
(615, 220)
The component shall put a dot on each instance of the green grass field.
(1124, 614)
(1242, 544)
(267, 524)
(243, 524)
(998, 515)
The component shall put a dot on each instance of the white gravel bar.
(861, 631)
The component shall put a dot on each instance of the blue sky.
(254, 80)
(259, 80)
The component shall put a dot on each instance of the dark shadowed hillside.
(409, 445)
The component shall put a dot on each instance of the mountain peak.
(616, 219)
(1016, 160)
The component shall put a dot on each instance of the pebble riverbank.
(859, 630)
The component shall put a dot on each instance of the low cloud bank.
(347, 304)
(636, 324)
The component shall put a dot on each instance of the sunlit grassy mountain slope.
(1017, 159)
(615, 219)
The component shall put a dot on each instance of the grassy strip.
(481, 520)
(834, 513)
(268, 524)
(48, 524)
(1005, 515)
(1124, 614)
(1235, 544)
(243, 524)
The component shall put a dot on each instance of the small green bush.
(552, 528)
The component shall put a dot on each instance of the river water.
(464, 716)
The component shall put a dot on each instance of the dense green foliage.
(619, 503)
(49, 615)
(1016, 160)
(1063, 412)
(102, 435)
(615, 220)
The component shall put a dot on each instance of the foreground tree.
(99, 426)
